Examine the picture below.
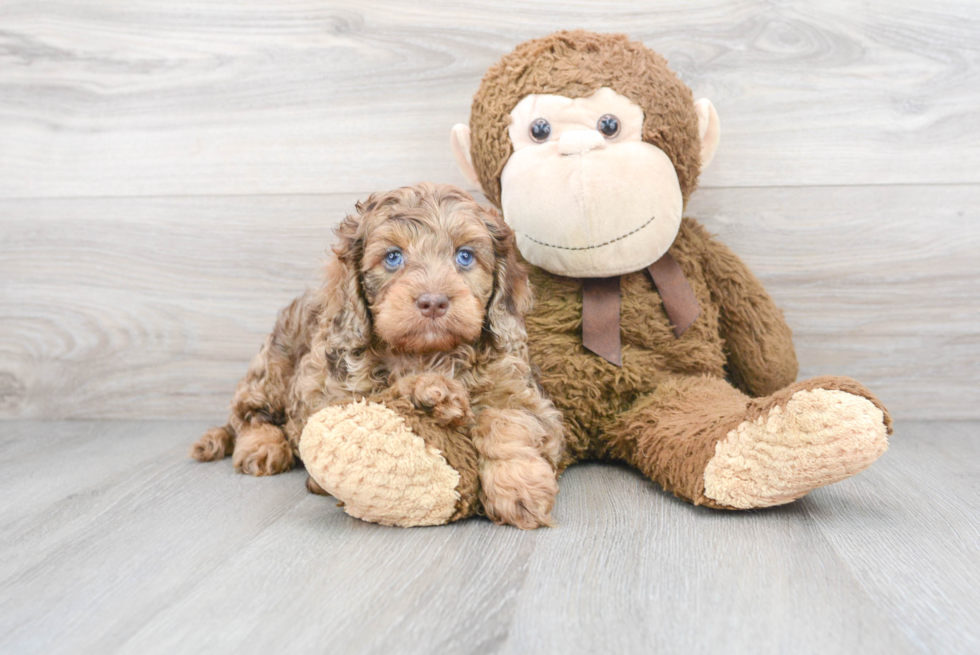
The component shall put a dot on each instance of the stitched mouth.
(592, 247)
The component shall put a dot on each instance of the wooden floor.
(111, 540)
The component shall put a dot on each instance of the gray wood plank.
(877, 282)
(887, 561)
(180, 98)
(152, 308)
(633, 570)
(187, 557)
(117, 305)
(912, 518)
(329, 582)
(104, 586)
(109, 551)
(58, 475)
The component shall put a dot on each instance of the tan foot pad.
(364, 455)
(821, 436)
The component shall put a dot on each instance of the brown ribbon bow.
(601, 303)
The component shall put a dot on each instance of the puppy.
(423, 307)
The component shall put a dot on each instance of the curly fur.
(361, 336)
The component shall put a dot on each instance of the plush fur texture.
(830, 432)
(366, 456)
(363, 336)
(675, 402)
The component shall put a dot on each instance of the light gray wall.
(170, 171)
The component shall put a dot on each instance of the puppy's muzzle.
(433, 305)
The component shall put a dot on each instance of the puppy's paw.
(214, 444)
(445, 399)
(262, 451)
(265, 459)
(519, 492)
(314, 488)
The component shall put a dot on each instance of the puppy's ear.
(511, 299)
(351, 320)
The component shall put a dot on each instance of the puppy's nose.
(575, 142)
(433, 305)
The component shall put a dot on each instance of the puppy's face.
(427, 268)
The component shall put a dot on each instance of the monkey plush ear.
(460, 141)
(709, 129)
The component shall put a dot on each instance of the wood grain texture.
(914, 528)
(113, 541)
(169, 175)
(878, 282)
(130, 308)
(156, 97)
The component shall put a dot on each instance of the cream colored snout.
(575, 142)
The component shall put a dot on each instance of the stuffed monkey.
(655, 341)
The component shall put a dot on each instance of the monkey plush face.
(586, 195)
(590, 145)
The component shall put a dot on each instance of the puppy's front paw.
(519, 492)
(262, 450)
(445, 399)
(265, 459)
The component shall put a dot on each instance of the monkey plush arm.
(758, 343)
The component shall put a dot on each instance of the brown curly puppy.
(422, 309)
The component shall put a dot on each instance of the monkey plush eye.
(608, 125)
(540, 130)
(465, 257)
(394, 259)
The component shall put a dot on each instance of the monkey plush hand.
(657, 343)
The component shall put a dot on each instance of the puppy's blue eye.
(465, 257)
(394, 259)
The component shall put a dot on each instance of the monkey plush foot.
(364, 455)
(818, 437)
